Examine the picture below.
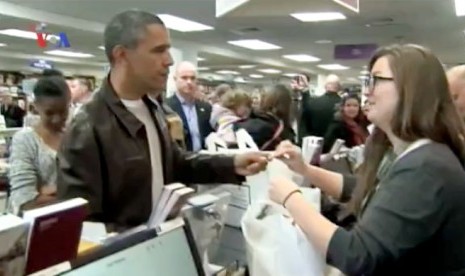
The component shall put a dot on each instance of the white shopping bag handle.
(245, 141)
(214, 143)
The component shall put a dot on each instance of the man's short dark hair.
(125, 29)
(52, 72)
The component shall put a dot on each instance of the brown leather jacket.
(105, 159)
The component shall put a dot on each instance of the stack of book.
(42, 238)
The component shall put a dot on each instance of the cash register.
(170, 250)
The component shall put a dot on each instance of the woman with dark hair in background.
(270, 124)
(349, 124)
(33, 172)
(410, 217)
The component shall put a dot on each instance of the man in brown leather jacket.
(117, 152)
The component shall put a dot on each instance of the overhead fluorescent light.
(318, 16)
(333, 67)
(291, 75)
(256, 76)
(254, 44)
(302, 58)
(227, 72)
(460, 7)
(2, 44)
(200, 59)
(68, 54)
(24, 34)
(101, 48)
(365, 72)
(203, 68)
(247, 66)
(363, 77)
(182, 25)
(270, 71)
(323, 41)
(240, 79)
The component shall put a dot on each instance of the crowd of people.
(117, 151)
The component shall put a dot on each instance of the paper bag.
(276, 246)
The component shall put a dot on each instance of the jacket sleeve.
(401, 215)
(305, 120)
(332, 134)
(23, 174)
(200, 168)
(79, 169)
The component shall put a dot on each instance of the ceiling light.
(203, 68)
(323, 41)
(25, 34)
(256, 76)
(254, 44)
(302, 58)
(365, 72)
(270, 71)
(101, 48)
(200, 59)
(333, 67)
(227, 72)
(363, 77)
(182, 25)
(291, 75)
(247, 66)
(240, 79)
(2, 44)
(318, 16)
(68, 54)
(460, 7)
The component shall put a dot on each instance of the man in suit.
(195, 114)
(456, 78)
(318, 113)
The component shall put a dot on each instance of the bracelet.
(289, 196)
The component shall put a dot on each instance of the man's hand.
(250, 163)
(299, 84)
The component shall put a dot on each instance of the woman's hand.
(48, 190)
(280, 188)
(291, 156)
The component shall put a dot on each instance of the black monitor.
(171, 252)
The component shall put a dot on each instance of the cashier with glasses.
(411, 219)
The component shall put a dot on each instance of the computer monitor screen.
(168, 254)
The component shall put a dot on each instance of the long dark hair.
(340, 110)
(277, 100)
(424, 110)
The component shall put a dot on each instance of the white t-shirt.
(142, 113)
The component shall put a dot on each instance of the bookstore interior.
(274, 84)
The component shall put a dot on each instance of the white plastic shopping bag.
(276, 246)
(255, 188)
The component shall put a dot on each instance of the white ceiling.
(432, 23)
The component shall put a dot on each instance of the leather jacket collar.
(130, 122)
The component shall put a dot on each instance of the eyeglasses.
(371, 81)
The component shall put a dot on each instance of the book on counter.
(55, 232)
(13, 245)
(172, 199)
